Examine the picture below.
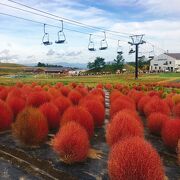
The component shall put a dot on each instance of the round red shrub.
(171, 133)
(99, 86)
(136, 95)
(142, 102)
(123, 125)
(75, 97)
(36, 99)
(30, 127)
(71, 143)
(120, 104)
(6, 116)
(96, 109)
(17, 104)
(155, 122)
(156, 105)
(169, 102)
(65, 90)
(62, 104)
(176, 110)
(59, 85)
(114, 95)
(134, 159)
(54, 92)
(52, 115)
(80, 115)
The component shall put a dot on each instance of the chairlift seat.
(60, 41)
(46, 43)
(92, 49)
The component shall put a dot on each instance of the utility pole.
(136, 40)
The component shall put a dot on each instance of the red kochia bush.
(80, 115)
(75, 97)
(123, 125)
(6, 116)
(171, 133)
(96, 109)
(3, 93)
(142, 102)
(62, 104)
(71, 143)
(156, 105)
(65, 90)
(51, 113)
(120, 104)
(30, 127)
(36, 99)
(17, 104)
(134, 159)
(176, 110)
(156, 121)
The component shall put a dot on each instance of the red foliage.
(80, 115)
(134, 159)
(96, 109)
(123, 125)
(65, 90)
(71, 143)
(59, 85)
(176, 110)
(6, 116)
(142, 102)
(75, 97)
(98, 98)
(62, 104)
(99, 86)
(170, 102)
(156, 104)
(30, 127)
(17, 104)
(154, 93)
(120, 104)
(171, 133)
(176, 98)
(114, 95)
(156, 121)
(36, 99)
(52, 115)
(108, 86)
(98, 91)
(54, 93)
(83, 91)
(3, 93)
(136, 95)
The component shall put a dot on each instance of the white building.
(167, 62)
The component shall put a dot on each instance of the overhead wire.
(123, 34)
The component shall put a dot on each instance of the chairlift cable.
(72, 21)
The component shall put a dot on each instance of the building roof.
(174, 55)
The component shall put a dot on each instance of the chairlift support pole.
(136, 41)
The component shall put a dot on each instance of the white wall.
(160, 61)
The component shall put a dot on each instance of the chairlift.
(131, 51)
(91, 44)
(151, 54)
(119, 48)
(103, 43)
(45, 38)
(61, 35)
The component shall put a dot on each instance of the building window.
(159, 67)
(169, 62)
(155, 64)
(155, 67)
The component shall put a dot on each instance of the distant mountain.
(65, 64)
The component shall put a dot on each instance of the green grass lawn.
(92, 80)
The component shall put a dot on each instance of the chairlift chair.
(131, 51)
(91, 44)
(61, 35)
(45, 38)
(103, 43)
(119, 48)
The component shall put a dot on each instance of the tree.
(97, 64)
(118, 62)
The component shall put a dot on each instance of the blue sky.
(21, 42)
